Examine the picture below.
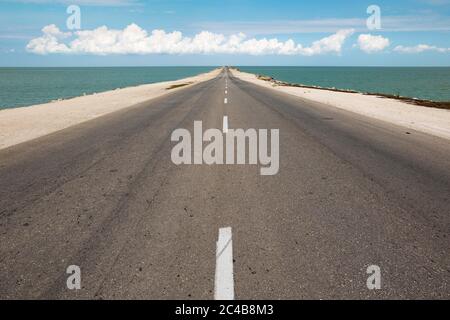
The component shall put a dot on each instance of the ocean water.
(424, 83)
(28, 86)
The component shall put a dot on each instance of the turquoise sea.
(28, 86)
(424, 83)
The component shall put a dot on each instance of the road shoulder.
(423, 119)
(28, 123)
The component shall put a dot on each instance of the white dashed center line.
(224, 280)
(225, 101)
(225, 124)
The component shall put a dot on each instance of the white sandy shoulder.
(424, 119)
(26, 123)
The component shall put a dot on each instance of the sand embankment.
(424, 119)
(27, 123)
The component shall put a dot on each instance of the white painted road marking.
(225, 101)
(224, 281)
(225, 124)
(226, 91)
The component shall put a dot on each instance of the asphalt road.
(104, 195)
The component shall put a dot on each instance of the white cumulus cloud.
(420, 48)
(135, 40)
(49, 41)
(371, 44)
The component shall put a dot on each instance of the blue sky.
(413, 33)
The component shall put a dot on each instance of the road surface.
(104, 195)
